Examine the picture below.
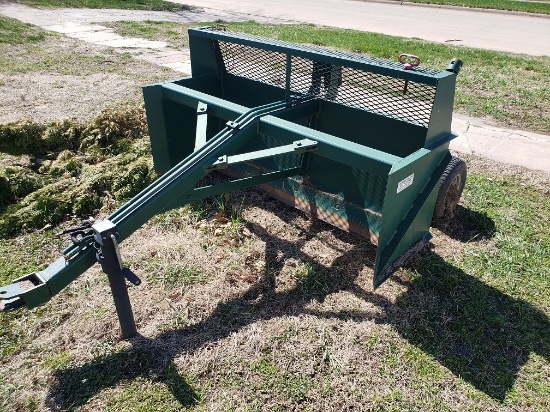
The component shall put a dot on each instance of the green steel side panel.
(442, 112)
(152, 96)
(209, 84)
(379, 132)
(331, 147)
(399, 194)
(204, 58)
(250, 93)
(408, 206)
(414, 227)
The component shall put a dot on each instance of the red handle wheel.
(409, 61)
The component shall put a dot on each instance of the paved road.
(511, 32)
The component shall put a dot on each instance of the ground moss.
(20, 138)
(17, 182)
(73, 167)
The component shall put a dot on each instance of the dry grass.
(285, 319)
(52, 77)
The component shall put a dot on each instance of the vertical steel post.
(105, 233)
(288, 74)
(122, 304)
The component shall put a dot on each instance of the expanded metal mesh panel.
(385, 95)
(376, 93)
(255, 64)
(324, 51)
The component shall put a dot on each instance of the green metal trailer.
(359, 142)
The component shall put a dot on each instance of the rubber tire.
(453, 180)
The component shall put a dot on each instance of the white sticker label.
(406, 182)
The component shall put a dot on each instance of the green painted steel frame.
(401, 228)
(411, 181)
(406, 213)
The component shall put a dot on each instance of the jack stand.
(106, 235)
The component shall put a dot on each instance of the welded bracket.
(30, 290)
(299, 146)
(202, 117)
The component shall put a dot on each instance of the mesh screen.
(255, 64)
(385, 95)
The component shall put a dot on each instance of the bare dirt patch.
(65, 78)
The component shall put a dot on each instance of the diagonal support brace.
(299, 146)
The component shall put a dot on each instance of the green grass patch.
(485, 314)
(268, 377)
(518, 257)
(534, 6)
(511, 89)
(312, 282)
(29, 49)
(158, 5)
(173, 275)
(58, 360)
(173, 33)
(14, 32)
(145, 395)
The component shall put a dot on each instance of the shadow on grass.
(76, 385)
(479, 333)
(468, 225)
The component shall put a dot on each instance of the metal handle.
(407, 65)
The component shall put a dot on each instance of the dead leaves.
(233, 233)
(254, 267)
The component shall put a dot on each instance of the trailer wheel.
(453, 180)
